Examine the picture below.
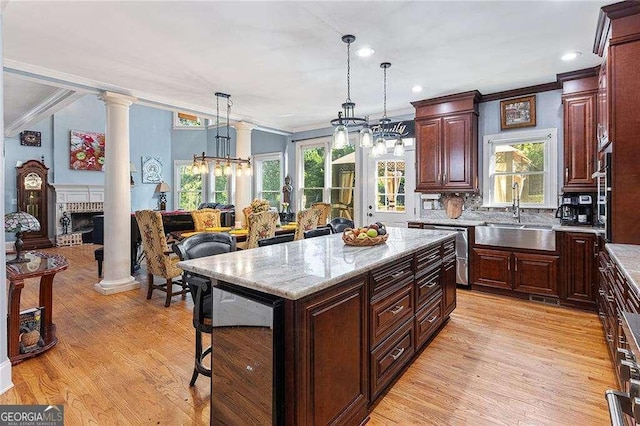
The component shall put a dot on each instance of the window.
(327, 178)
(269, 177)
(188, 190)
(526, 158)
(390, 181)
(220, 187)
(183, 120)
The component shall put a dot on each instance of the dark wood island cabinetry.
(354, 317)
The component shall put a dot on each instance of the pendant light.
(384, 130)
(346, 117)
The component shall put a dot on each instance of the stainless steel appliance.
(247, 358)
(462, 251)
(603, 203)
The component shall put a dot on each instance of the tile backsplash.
(473, 210)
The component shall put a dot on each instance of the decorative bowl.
(351, 240)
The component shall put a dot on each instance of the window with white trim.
(182, 120)
(527, 158)
(269, 170)
(188, 188)
(326, 175)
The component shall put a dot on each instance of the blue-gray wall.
(548, 114)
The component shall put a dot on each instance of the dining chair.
(278, 239)
(205, 218)
(325, 210)
(261, 225)
(202, 245)
(307, 220)
(161, 261)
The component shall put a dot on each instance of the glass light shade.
(217, 171)
(195, 168)
(20, 222)
(248, 171)
(340, 137)
(366, 137)
(204, 167)
(380, 147)
(398, 148)
(227, 169)
(239, 170)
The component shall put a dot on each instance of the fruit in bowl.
(371, 235)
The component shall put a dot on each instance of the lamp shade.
(163, 187)
(20, 222)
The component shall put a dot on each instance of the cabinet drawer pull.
(431, 284)
(396, 309)
(397, 274)
(444, 178)
(566, 174)
(432, 319)
(396, 353)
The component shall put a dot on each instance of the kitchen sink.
(519, 225)
(516, 235)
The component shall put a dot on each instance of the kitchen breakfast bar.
(314, 331)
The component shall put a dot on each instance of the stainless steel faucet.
(516, 201)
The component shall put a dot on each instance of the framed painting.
(87, 151)
(518, 112)
(151, 170)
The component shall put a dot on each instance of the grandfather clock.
(33, 199)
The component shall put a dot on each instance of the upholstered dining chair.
(339, 224)
(307, 220)
(324, 209)
(205, 218)
(261, 225)
(201, 245)
(246, 211)
(161, 261)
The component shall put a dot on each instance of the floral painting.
(87, 151)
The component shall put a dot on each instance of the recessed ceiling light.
(365, 52)
(416, 89)
(570, 56)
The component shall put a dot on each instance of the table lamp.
(20, 222)
(163, 188)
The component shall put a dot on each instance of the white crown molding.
(44, 109)
(81, 84)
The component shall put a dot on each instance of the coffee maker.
(575, 209)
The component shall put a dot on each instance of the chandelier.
(223, 157)
(384, 130)
(346, 117)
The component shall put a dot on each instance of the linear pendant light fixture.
(384, 130)
(346, 117)
(223, 157)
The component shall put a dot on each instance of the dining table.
(241, 234)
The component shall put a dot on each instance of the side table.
(45, 266)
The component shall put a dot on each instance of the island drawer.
(386, 277)
(391, 310)
(428, 259)
(390, 357)
(426, 286)
(449, 248)
(428, 319)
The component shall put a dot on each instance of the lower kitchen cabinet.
(579, 253)
(516, 271)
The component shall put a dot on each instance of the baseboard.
(5, 377)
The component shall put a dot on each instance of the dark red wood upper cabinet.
(580, 142)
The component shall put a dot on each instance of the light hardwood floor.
(122, 359)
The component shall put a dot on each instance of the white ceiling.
(283, 58)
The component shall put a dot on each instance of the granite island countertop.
(627, 256)
(300, 268)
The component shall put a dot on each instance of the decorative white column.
(243, 183)
(117, 198)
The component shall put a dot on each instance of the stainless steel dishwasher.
(462, 251)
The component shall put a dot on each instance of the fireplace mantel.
(71, 197)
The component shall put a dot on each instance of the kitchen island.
(347, 321)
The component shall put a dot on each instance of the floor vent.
(545, 300)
